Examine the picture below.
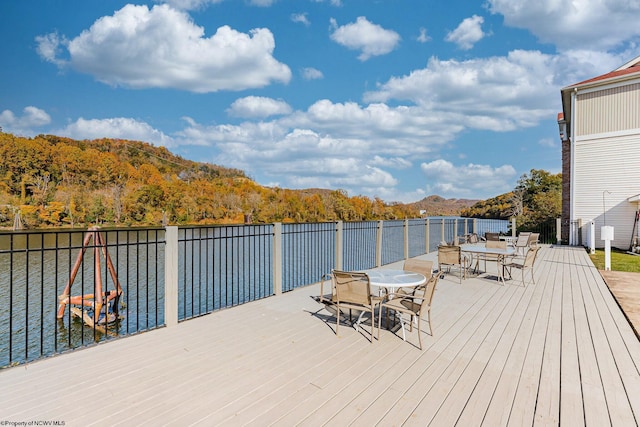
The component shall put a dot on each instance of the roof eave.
(594, 83)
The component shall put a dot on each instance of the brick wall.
(566, 191)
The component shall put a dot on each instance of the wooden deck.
(557, 352)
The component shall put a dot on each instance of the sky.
(395, 99)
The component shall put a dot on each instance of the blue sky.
(383, 98)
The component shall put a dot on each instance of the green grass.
(620, 260)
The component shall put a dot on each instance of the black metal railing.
(308, 252)
(36, 267)
(547, 231)
(216, 267)
(223, 266)
(417, 235)
(392, 241)
(359, 245)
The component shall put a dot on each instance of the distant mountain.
(439, 206)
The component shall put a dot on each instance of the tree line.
(536, 200)
(51, 181)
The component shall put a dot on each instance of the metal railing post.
(455, 231)
(406, 239)
(171, 276)
(339, 244)
(442, 221)
(427, 234)
(379, 244)
(277, 258)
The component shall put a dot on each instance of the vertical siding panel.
(599, 167)
(608, 110)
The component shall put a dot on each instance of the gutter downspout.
(572, 143)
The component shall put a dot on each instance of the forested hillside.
(439, 206)
(536, 200)
(51, 181)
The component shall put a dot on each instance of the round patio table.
(390, 280)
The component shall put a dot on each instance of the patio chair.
(327, 296)
(491, 236)
(470, 238)
(522, 243)
(416, 306)
(353, 291)
(533, 239)
(421, 266)
(473, 238)
(451, 256)
(525, 265)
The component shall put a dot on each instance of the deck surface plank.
(572, 411)
(559, 351)
(504, 360)
(500, 405)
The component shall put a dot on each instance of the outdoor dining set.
(409, 292)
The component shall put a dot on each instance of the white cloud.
(189, 4)
(394, 130)
(467, 181)
(331, 2)
(163, 48)
(118, 127)
(574, 24)
(330, 145)
(258, 107)
(391, 162)
(300, 18)
(262, 3)
(468, 33)
(362, 35)
(310, 73)
(31, 118)
(496, 93)
(423, 37)
(49, 47)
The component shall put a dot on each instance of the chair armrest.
(403, 296)
(326, 277)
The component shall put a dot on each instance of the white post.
(171, 276)
(427, 235)
(606, 234)
(406, 239)
(455, 231)
(513, 227)
(592, 237)
(277, 258)
(379, 244)
(558, 230)
(339, 244)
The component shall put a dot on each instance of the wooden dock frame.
(100, 298)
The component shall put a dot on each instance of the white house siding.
(610, 110)
(607, 162)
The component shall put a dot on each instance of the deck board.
(521, 374)
(559, 351)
